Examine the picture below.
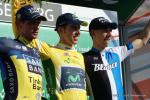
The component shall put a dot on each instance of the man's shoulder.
(6, 44)
(90, 53)
(5, 39)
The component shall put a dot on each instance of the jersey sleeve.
(123, 51)
(5, 44)
(45, 51)
(43, 47)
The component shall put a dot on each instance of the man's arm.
(143, 37)
(88, 87)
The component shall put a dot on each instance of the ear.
(60, 29)
(19, 25)
(17, 22)
(92, 33)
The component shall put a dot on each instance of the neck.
(22, 39)
(64, 42)
(25, 41)
(64, 46)
(98, 47)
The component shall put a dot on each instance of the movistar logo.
(74, 78)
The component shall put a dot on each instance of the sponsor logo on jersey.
(38, 96)
(34, 69)
(33, 64)
(24, 48)
(74, 60)
(72, 77)
(98, 67)
(11, 78)
(32, 60)
(95, 58)
(17, 46)
(36, 83)
(66, 54)
(67, 60)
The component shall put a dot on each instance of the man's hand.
(145, 34)
(142, 38)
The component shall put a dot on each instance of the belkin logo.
(98, 67)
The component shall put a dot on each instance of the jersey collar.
(64, 46)
(95, 50)
(25, 41)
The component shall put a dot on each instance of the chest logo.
(98, 67)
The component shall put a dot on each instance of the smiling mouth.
(106, 39)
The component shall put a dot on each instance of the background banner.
(47, 33)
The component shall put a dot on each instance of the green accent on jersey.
(50, 78)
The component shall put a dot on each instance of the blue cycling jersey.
(21, 70)
(104, 70)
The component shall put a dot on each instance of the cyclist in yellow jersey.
(19, 61)
(65, 69)
(49, 70)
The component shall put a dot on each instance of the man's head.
(28, 20)
(100, 30)
(68, 28)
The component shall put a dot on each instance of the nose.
(36, 25)
(77, 33)
(109, 32)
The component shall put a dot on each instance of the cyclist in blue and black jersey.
(103, 64)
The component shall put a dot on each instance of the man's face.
(69, 34)
(29, 29)
(102, 37)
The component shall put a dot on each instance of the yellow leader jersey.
(65, 73)
(61, 88)
(21, 70)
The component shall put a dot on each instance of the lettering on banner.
(5, 12)
(49, 10)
